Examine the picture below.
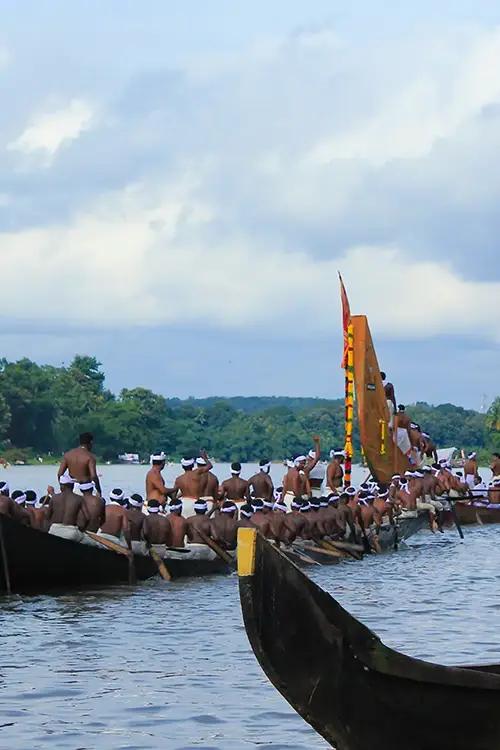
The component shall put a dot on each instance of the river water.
(169, 666)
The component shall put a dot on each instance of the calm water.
(169, 666)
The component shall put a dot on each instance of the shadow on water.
(169, 666)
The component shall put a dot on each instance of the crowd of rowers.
(217, 509)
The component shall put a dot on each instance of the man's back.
(80, 463)
(64, 508)
(261, 485)
(193, 523)
(178, 526)
(116, 521)
(156, 529)
(224, 530)
(136, 520)
(92, 512)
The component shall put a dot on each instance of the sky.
(181, 181)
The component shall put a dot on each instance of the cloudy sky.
(180, 181)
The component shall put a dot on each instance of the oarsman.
(471, 470)
(403, 432)
(18, 497)
(495, 465)
(382, 506)
(7, 506)
(224, 526)
(260, 517)
(260, 484)
(188, 486)
(209, 484)
(295, 481)
(136, 519)
(198, 522)
(494, 491)
(155, 484)
(315, 519)
(80, 463)
(116, 526)
(390, 397)
(345, 514)
(429, 450)
(334, 471)
(246, 513)
(236, 488)
(64, 508)
(281, 524)
(369, 519)
(406, 496)
(156, 529)
(333, 527)
(393, 487)
(39, 514)
(417, 491)
(177, 521)
(298, 519)
(92, 511)
(416, 443)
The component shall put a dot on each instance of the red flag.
(346, 319)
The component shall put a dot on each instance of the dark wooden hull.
(357, 693)
(40, 562)
(469, 514)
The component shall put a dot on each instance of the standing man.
(80, 463)
(155, 484)
(189, 485)
(403, 433)
(335, 472)
(261, 484)
(236, 488)
(471, 470)
(495, 465)
(390, 398)
(209, 484)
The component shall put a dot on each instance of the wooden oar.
(115, 547)
(160, 564)
(347, 546)
(345, 551)
(455, 518)
(215, 547)
(293, 552)
(328, 552)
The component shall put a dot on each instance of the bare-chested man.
(199, 522)
(260, 484)
(8, 506)
(116, 524)
(260, 517)
(312, 460)
(189, 485)
(136, 518)
(246, 513)
(495, 465)
(209, 484)
(236, 488)
(93, 509)
(298, 519)
(39, 514)
(416, 443)
(282, 526)
(429, 449)
(64, 508)
(20, 512)
(155, 484)
(80, 462)
(334, 471)
(390, 397)
(156, 528)
(224, 526)
(403, 430)
(471, 470)
(178, 523)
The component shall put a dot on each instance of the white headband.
(312, 453)
(235, 471)
(175, 506)
(116, 495)
(154, 510)
(245, 513)
(472, 455)
(5, 487)
(280, 506)
(159, 456)
(268, 503)
(19, 500)
(228, 509)
(135, 503)
(299, 460)
(30, 502)
(265, 467)
(187, 462)
(350, 490)
(201, 461)
(200, 505)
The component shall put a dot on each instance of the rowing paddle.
(455, 518)
(215, 547)
(160, 564)
(328, 552)
(293, 552)
(347, 546)
(345, 549)
(114, 547)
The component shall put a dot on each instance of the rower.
(471, 470)
(209, 484)
(7, 506)
(246, 513)
(261, 484)
(224, 526)
(136, 518)
(80, 462)
(156, 529)
(334, 471)
(199, 520)
(429, 486)
(390, 398)
(64, 508)
(369, 519)
(92, 511)
(177, 521)
(261, 518)
(188, 486)
(495, 465)
(494, 491)
(116, 526)
(39, 514)
(155, 484)
(235, 489)
(20, 512)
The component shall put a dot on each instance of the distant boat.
(129, 458)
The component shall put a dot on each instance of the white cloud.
(48, 131)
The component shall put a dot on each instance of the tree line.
(43, 408)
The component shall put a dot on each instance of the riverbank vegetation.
(43, 409)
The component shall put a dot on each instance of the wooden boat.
(382, 455)
(39, 562)
(468, 513)
(337, 674)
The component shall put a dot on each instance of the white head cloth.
(186, 462)
(265, 467)
(299, 460)
(158, 456)
(201, 461)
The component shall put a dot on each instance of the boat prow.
(337, 674)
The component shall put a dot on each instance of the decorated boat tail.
(337, 674)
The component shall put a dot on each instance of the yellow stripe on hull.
(247, 539)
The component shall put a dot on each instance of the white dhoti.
(403, 440)
(289, 498)
(71, 533)
(139, 548)
(390, 406)
(470, 479)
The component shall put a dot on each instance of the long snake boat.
(338, 675)
(34, 561)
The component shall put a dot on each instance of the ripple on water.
(169, 666)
